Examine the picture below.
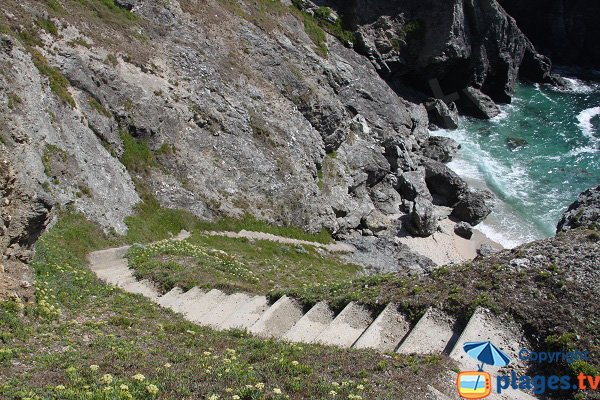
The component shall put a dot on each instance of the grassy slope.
(237, 265)
(47, 348)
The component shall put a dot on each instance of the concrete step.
(247, 314)
(171, 298)
(434, 394)
(143, 287)
(347, 327)
(114, 272)
(278, 319)
(188, 301)
(434, 333)
(386, 332)
(196, 311)
(99, 258)
(311, 324)
(484, 326)
(123, 280)
(222, 311)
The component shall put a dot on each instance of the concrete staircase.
(354, 327)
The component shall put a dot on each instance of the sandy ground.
(446, 247)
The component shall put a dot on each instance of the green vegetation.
(108, 11)
(137, 156)
(316, 34)
(316, 26)
(111, 59)
(51, 155)
(96, 105)
(47, 25)
(58, 83)
(166, 149)
(84, 190)
(236, 265)
(14, 101)
(55, 6)
(80, 42)
(83, 339)
(414, 27)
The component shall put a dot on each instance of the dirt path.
(332, 247)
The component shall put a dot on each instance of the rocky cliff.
(227, 107)
(566, 31)
(458, 44)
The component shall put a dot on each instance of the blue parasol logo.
(486, 353)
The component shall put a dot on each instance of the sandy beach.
(445, 246)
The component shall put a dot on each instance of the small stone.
(464, 230)
(25, 284)
(486, 250)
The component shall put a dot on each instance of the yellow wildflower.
(139, 377)
(152, 389)
(106, 379)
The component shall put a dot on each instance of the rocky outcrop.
(584, 212)
(443, 183)
(457, 43)
(423, 220)
(464, 230)
(477, 104)
(442, 115)
(440, 148)
(566, 31)
(473, 206)
(412, 184)
(234, 114)
(23, 217)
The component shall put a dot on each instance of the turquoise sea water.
(534, 184)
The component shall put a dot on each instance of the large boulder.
(443, 183)
(474, 206)
(412, 184)
(385, 198)
(423, 220)
(583, 212)
(477, 104)
(464, 230)
(441, 114)
(440, 148)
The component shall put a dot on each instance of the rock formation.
(566, 31)
(584, 212)
(458, 44)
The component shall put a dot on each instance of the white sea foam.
(481, 170)
(577, 86)
(585, 121)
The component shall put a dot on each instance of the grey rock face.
(485, 250)
(441, 149)
(477, 104)
(386, 255)
(53, 149)
(566, 31)
(412, 184)
(443, 183)
(473, 206)
(23, 215)
(585, 211)
(464, 230)
(441, 114)
(423, 220)
(460, 44)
